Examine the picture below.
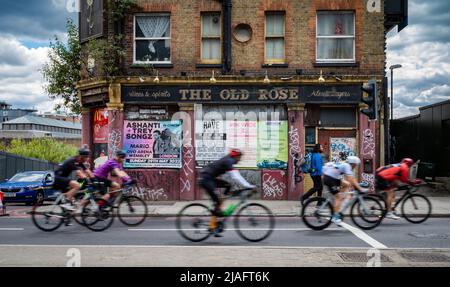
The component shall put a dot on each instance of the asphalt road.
(157, 243)
(435, 233)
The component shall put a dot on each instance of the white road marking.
(363, 236)
(232, 229)
(12, 229)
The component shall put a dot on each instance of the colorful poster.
(341, 148)
(244, 136)
(153, 144)
(210, 141)
(273, 145)
(101, 126)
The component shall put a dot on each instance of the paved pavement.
(157, 243)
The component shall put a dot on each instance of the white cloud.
(424, 78)
(21, 82)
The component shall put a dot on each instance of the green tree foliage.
(42, 148)
(62, 71)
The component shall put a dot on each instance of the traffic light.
(371, 100)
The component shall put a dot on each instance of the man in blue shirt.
(316, 173)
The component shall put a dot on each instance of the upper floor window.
(335, 36)
(275, 33)
(211, 37)
(152, 38)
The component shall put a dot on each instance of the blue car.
(33, 187)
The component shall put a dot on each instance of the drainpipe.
(226, 45)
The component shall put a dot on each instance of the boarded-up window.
(338, 117)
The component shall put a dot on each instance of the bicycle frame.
(356, 196)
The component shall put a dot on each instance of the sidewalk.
(440, 207)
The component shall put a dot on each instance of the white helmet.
(353, 160)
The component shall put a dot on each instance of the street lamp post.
(393, 67)
(389, 150)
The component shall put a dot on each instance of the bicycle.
(366, 212)
(54, 216)
(196, 217)
(410, 200)
(98, 215)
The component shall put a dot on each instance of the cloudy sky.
(423, 48)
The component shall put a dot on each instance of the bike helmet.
(235, 153)
(121, 154)
(84, 152)
(409, 162)
(353, 160)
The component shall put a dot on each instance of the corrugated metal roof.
(28, 119)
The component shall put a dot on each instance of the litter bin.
(426, 170)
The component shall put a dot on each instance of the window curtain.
(335, 25)
(153, 27)
(275, 28)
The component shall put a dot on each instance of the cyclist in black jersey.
(63, 181)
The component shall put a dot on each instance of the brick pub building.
(293, 68)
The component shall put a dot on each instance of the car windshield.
(27, 177)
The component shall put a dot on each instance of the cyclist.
(339, 177)
(388, 179)
(209, 181)
(63, 181)
(112, 166)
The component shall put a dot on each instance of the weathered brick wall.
(300, 34)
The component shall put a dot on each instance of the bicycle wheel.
(98, 217)
(48, 218)
(254, 222)
(416, 208)
(193, 222)
(317, 213)
(367, 213)
(132, 211)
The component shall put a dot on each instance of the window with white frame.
(275, 33)
(335, 36)
(211, 38)
(152, 38)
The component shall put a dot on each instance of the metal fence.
(11, 164)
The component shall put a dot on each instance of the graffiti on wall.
(370, 179)
(114, 142)
(294, 152)
(187, 170)
(155, 185)
(272, 186)
(368, 143)
(342, 147)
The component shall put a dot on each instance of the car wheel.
(39, 198)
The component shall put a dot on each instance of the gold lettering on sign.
(278, 95)
(330, 94)
(195, 95)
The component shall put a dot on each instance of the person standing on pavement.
(316, 173)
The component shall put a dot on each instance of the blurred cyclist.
(339, 177)
(112, 166)
(209, 181)
(63, 181)
(388, 179)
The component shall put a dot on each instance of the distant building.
(30, 126)
(8, 114)
(426, 137)
(62, 117)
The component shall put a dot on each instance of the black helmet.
(84, 152)
(121, 154)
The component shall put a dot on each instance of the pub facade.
(272, 78)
